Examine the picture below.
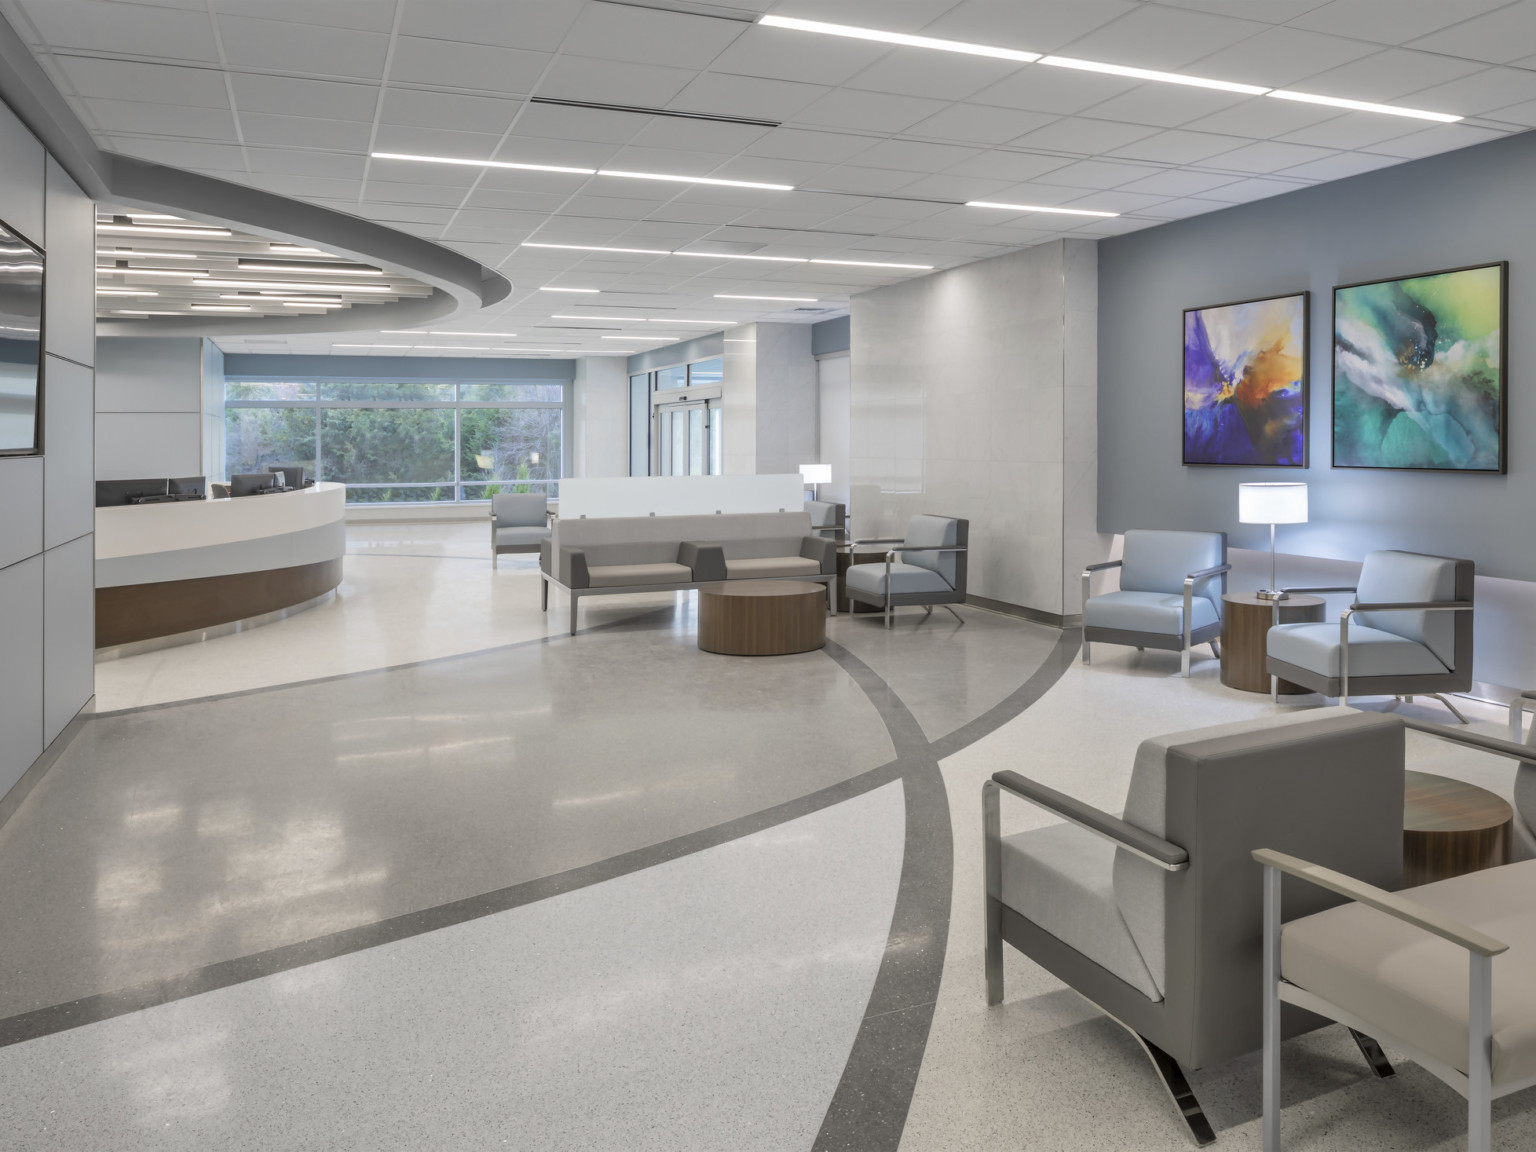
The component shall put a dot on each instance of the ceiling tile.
(1178, 147)
(957, 188)
(123, 29)
(291, 162)
(1391, 21)
(1388, 75)
(1353, 130)
(872, 111)
(412, 108)
(649, 36)
(1087, 137)
(1163, 105)
(612, 81)
(1256, 188)
(449, 64)
(368, 15)
(1339, 166)
(1498, 37)
(810, 144)
(1178, 183)
(981, 124)
(912, 156)
(1270, 11)
(779, 54)
(1479, 93)
(283, 95)
(422, 141)
(1097, 174)
(296, 132)
(1260, 118)
(152, 83)
(183, 153)
(1282, 57)
(282, 46)
(163, 119)
(1429, 142)
(745, 96)
(871, 181)
(1006, 165)
(535, 25)
(1268, 156)
(935, 75)
(1034, 25)
(675, 132)
(1166, 38)
(1058, 90)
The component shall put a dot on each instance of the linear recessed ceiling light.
(482, 335)
(876, 264)
(123, 292)
(177, 272)
(295, 250)
(786, 299)
(599, 248)
(153, 216)
(718, 117)
(692, 322)
(275, 295)
(280, 298)
(143, 312)
(312, 304)
(583, 171)
(901, 38)
(728, 256)
(156, 230)
(739, 256)
(129, 254)
(642, 339)
(221, 307)
(221, 283)
(398, 346)
(1149, 74)
(624, 319)
(320, 269)
(1365, 106)
(1036, 208)
(589, 291)
(453, 347)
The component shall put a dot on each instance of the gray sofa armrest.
(546, 554)
(1155, 849)
(706, 561)
(573, 568)
(821, 549)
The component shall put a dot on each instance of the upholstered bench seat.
(1412, 985)
(1158, 612)
(1372, 652)
(527, 535)
(623, 575)
(906, 579)
(770, 568)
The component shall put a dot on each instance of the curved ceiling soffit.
(460, 284)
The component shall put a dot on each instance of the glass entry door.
(687, 438)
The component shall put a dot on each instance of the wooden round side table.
(762, 617)
(1245, 623)
(1451, 828)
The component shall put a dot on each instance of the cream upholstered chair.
(1445, 972)
(519, 522)
(931, 568)
(1155, 916)
(1409, 632)
(1171, 584)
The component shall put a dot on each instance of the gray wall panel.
(149, 374)
(21, 178)
(311, 546)
(21, 669)
(213, 411)
(69, 634)
(69, 490)
(71, 280)
(132, 445)
(21, 509)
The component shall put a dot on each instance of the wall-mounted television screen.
(21, 345)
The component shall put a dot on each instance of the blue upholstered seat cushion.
(932, 532)
(528, 535)
(1147, 612)
(1061, 878)
(1372, 652)
(906, 579)
(1409, 578)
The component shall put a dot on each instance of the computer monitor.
(293, 474)
(111, 493)
(188, 487)
(251, 483)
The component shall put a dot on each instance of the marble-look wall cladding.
(973, 396)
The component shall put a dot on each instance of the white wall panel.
(601, 434)
(786, 398)
(70, 287)
(21, 669)
(832, 403)
(21, 508)
(133, 445)
(21, 178)
(149, 374)
(69, 490)
(69, 633)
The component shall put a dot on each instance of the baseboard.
(29, 779)
(1053, 619)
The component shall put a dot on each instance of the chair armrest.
(1204, 572)
(1103, 566)
(706, 561)
(1428, 606)
(1155, 849)
(1462, 935)
(822, 550)
(878, 540)
(1317, 591)
(1511, 748)
(573, 568)
(933, 548)
(546, 556)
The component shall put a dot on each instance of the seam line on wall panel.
(91, 368)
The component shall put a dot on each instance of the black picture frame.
(1305, 297)
(9, 237)
(1333, 363)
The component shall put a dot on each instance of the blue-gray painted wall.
(686, 352)
(1466, 207)
(831, 336)
(261, 366)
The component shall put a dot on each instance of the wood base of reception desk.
(134, 612)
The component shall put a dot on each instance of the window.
(681, 435)
(402, 442)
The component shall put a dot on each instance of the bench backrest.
(654, 539)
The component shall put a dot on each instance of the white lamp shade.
(816, 473)
(1272, 503)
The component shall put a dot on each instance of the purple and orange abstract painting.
(1245, 383)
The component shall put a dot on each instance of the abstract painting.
(1245, 383)
(1418, 372)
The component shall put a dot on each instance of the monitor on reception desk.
(111, 493)
(189, 487)
(251, 483)
(293, 474)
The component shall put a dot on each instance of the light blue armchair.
(1171, 584)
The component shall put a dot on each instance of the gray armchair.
(1409, 632)
(519, 523)
(828, 519)
(931, 568)
(1155, 916)
(1171, 584)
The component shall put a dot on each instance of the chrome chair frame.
(1516, 716)
(1189, 641)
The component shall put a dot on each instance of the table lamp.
(814, 474)
(1274, 502)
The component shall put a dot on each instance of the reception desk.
(167, 569)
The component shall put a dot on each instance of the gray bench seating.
(615, 555)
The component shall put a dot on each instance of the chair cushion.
(621, 575)
(1159, 561)
(1147, 612)
(1413, 985)
(1372, 652)
(529, 535)
(906, 579)
(1409, 578)
(519, 510)
(824, 513)
(769, 567)
(1061, 879)
(933, 532)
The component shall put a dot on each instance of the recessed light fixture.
(697, 180)
(482, 335)
(785, 299)
(294, 250)
(1150, 74)
(692, 322)
(740, 256)
(221, 307)
(1364, 106)
(320, 269)
(642, 339)
(312, 304)
(290, 285)
(152, 216)
(130, 254)
(622, 319)
(306, 297)
(1037, 208)
(876, 264)
(452, 348)
(151, 272)
(582, 171)
(592, 291)
(143, 312)
(123, 292)
(642, 111)
(729, 256)
(398, 347)
(598, 248)
(901, 38)
(157, 230)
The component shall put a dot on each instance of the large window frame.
(700, 384)
(457, 405)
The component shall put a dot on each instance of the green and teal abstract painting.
(1418, 372)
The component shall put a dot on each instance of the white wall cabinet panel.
(149, 374)
(22, 178)
(602, 417)
(21, 508)
(134, 445)
(70, 288)
(69, 490)
(69, 633)
(21, 669)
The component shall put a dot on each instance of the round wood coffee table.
(1245, 623)
(762, 617)
(1451, 828)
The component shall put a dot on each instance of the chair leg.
(927, 611)
(1216, 649)
(573, 611)
(1456, 712)
(1270, 1119)
(959, 619)
(1087, 652)
(1374, 1056)
(992, 868)
(1184, 662)
(494, 555)
(1179, 1091)
(1274, 689)
(543, 594)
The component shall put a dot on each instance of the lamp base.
(1272, 594)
